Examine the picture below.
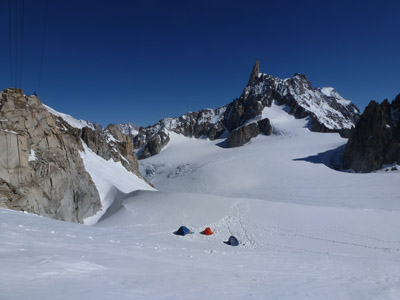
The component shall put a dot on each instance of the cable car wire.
(10, 41)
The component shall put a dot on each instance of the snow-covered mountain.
(244, 118)
(128, 128)
(305, 230)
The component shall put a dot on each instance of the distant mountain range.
(242, 119)
(50, 162)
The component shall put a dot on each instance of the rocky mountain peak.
(301, 81)
(254, 72)
(242, 119)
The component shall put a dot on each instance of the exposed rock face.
(155, 145)
(111, 143)
(375, 140)
(326, 109)
(254, 72)
(244, 134)
(265, 126)
(41, 170)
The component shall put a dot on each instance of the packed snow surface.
(305, 230)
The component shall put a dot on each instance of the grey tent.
(232, 241)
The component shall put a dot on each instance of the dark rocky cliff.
(375, 141)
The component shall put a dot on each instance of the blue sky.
(139, 61)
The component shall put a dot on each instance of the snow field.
(305, 230)
(287, 251)
(288, 166)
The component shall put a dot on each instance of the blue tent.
(232, 241)
(183, 230)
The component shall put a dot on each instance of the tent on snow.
(232, 241)
(183, 230)
(207, 231)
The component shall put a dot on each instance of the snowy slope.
(288, 166)
(112, 180)
(306, 231)
(287, 251)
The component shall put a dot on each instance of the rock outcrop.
(41, 170)
(128, 129)
(245, 133)
(375, 141)
(254, 72)
(155, 145)
(326, 110)
(111, 143)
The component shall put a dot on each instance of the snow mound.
(111, 179)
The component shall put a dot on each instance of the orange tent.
(208, 231)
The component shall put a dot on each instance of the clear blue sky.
(139, 61)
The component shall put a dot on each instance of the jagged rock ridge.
(113, 142)
(240, 120)
(375, 141)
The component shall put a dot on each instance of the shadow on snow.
(331, 158)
